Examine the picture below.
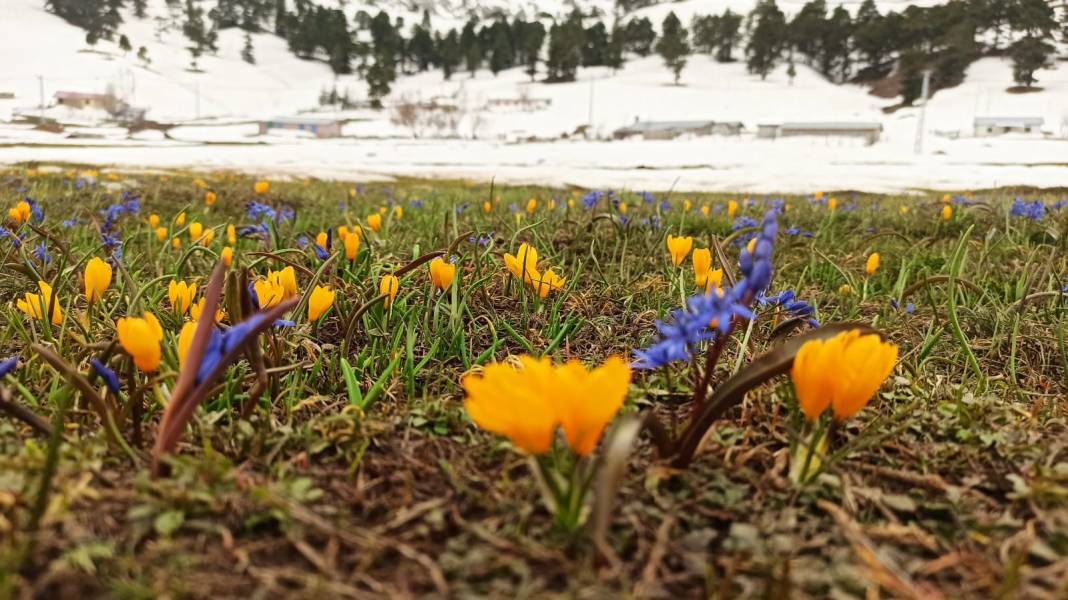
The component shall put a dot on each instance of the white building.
(988, 126)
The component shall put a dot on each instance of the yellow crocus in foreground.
(176, 243)
(845, 290)
(947, 212)
(320, 301)
(97, 279)
(261, 187)
(268, 292)
(231, 235)
(547, 282)
(679, 247)
(322, 239)
(487, 207)
(342, 232)
(161, 233)
(832, 203)
(35, 305)
(873, 264)
(153, 221)
(180, 219)
(198, 308)
(352, 245)
(389, 285)
(227, 256)
(527, 404)
(181, 295)
(903, 210)
(374, 222)
(732, 209)
(524, 263)
(442, 273)
(21, 213)
(287, 279)
(705, 210)
(195, 231)
(532, 205)
(210, 198)
(207, 238)
(398, 212)
(185, 340)
(140, 338)
(714, 280)
(702, 264)
(841, 373)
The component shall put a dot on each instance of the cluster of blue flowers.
(741, 223)
(483, 239)
(708, 315)
(789, 302)
(591, 198)
(909, 308)
(689, 327)
(130, 205)
(1036, 211)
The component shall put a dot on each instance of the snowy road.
(703, 164)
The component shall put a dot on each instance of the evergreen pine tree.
(422, 48)
(470, 46)
(196, 31)
(449, 53)
(565, 49)
(533, 39)
(142, 55)
(767, 37)
(616, 43)
(139, 8)
(1035, 18)
(280, 17)
(728, 35)
(705, 33)
(247, 52)
(835, 48)
(383, 70)
(673, 45)
(1030, 54)
(501, 54)
(124, 44)
(808, 28)
(595, 45)
(640, 36)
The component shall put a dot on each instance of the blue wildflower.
(1035, 211)
(647, 198)
(591, 198)
(40, 252)
(689, 327)
(7, 366)
(416, 204)
(111, 380)
(70, 223)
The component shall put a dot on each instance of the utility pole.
(923, 110)
(590, 117)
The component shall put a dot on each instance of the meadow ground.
(336, 457)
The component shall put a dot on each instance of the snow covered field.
(214, 114)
